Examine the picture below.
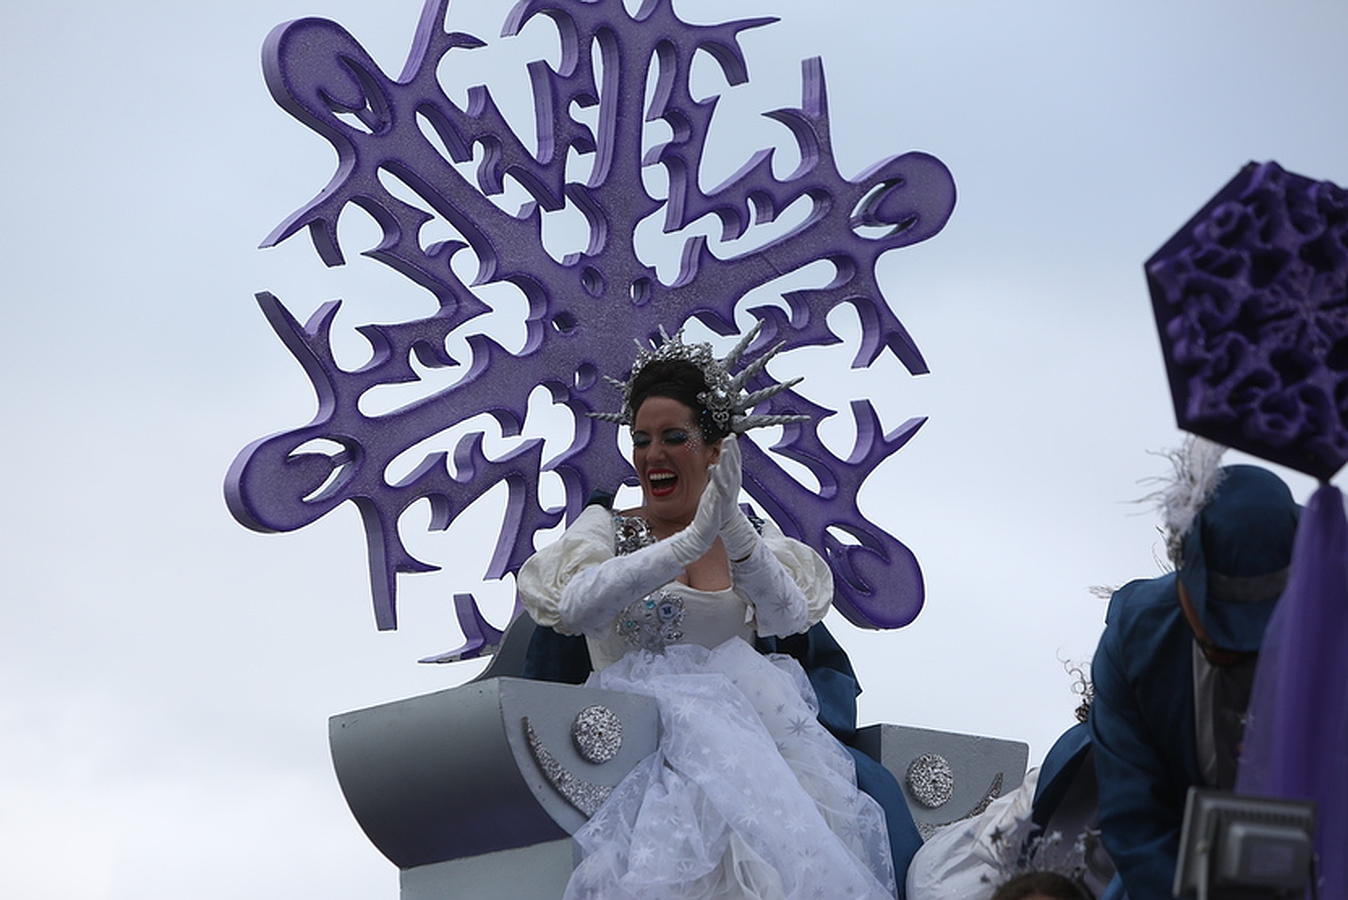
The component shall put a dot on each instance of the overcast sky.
(166, 676)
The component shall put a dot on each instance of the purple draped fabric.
(1296, 741)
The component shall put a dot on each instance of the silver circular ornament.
(930, 779)
(598, 733)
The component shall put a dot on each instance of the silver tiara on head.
(725, 397)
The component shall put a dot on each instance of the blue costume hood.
(1236, 554)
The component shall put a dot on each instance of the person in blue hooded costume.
(1173, 670)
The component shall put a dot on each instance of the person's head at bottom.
(1041, 886)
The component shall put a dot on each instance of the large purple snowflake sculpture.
(1251, 301)
(585, 310)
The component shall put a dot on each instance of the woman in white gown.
(747, 795)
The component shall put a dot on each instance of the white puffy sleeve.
(545, 575)
(789, 585)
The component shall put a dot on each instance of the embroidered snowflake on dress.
(656, 620)
(653, 622)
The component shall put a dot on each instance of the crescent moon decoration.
(585, 796)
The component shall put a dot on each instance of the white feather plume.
(1196, 470)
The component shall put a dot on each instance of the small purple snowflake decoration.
(585, 310)
(1251, 301)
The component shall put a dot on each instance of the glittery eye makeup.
(671, 437)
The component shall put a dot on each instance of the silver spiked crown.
(725, 398)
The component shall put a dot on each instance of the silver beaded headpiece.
(725, 397)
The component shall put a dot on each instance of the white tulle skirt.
(747, 795)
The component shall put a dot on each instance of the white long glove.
(737, 532)
(779, 604)
(596, 594)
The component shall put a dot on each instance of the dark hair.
(1083, 688)
(1050, 884)
(678, 380)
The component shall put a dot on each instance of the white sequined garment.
(748, 795)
